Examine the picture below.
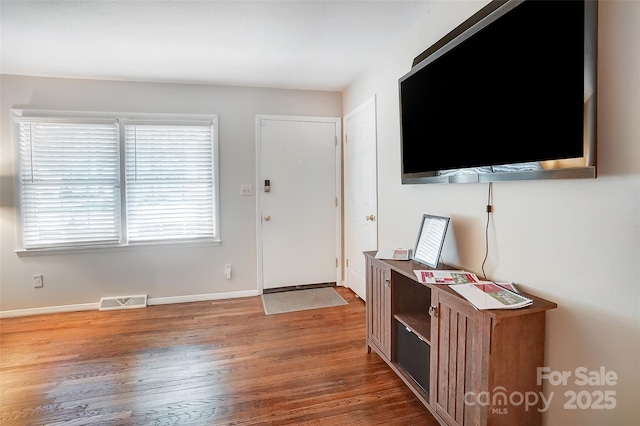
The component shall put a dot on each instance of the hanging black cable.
(486, 231)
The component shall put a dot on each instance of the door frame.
(372, 101)
(338, 187)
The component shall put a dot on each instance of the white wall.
(73, 279)
(575, 242)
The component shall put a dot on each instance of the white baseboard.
(150, 302)
(49, 310)
(200, 297)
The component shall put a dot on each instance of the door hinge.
(336, 201)
(346, 138)
(347, 263)
(336, 141)
(337, 264)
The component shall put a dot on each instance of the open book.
(488, 295)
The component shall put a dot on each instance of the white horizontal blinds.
(169, 181)
(69, 176)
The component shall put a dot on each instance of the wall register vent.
(123, 302)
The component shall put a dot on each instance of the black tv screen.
(510, 97)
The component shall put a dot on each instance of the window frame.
(18, 115)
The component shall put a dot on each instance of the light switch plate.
(246, 190)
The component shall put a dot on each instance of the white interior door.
(360, 181)
(299, 221)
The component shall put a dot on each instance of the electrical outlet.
(38, 281)
(227, 270)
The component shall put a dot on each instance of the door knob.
(267, 218)
(370, 217)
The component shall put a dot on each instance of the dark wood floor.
(205, 363)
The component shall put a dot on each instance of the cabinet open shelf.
(418, 322)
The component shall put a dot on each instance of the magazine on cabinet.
(393, 254)
(489, 295)
(441, 276)
(509, 286)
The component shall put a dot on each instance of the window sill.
(114, 248)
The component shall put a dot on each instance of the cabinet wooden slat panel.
(379, 301)
(453, 364)
(454, 358)
(463, 357)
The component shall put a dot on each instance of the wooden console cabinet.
(468, 367)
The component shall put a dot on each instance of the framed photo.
(430, 240)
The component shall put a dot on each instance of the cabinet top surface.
(406, 268)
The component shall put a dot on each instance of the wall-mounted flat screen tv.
(508, 95)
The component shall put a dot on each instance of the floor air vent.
(123, 302)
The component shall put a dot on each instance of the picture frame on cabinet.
(431, 235)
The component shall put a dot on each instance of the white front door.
(360, 181)
(298, 224)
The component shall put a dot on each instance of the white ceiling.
(297, 44)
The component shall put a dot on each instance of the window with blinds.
(70, 178)
(93, 182)
(169, 181)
